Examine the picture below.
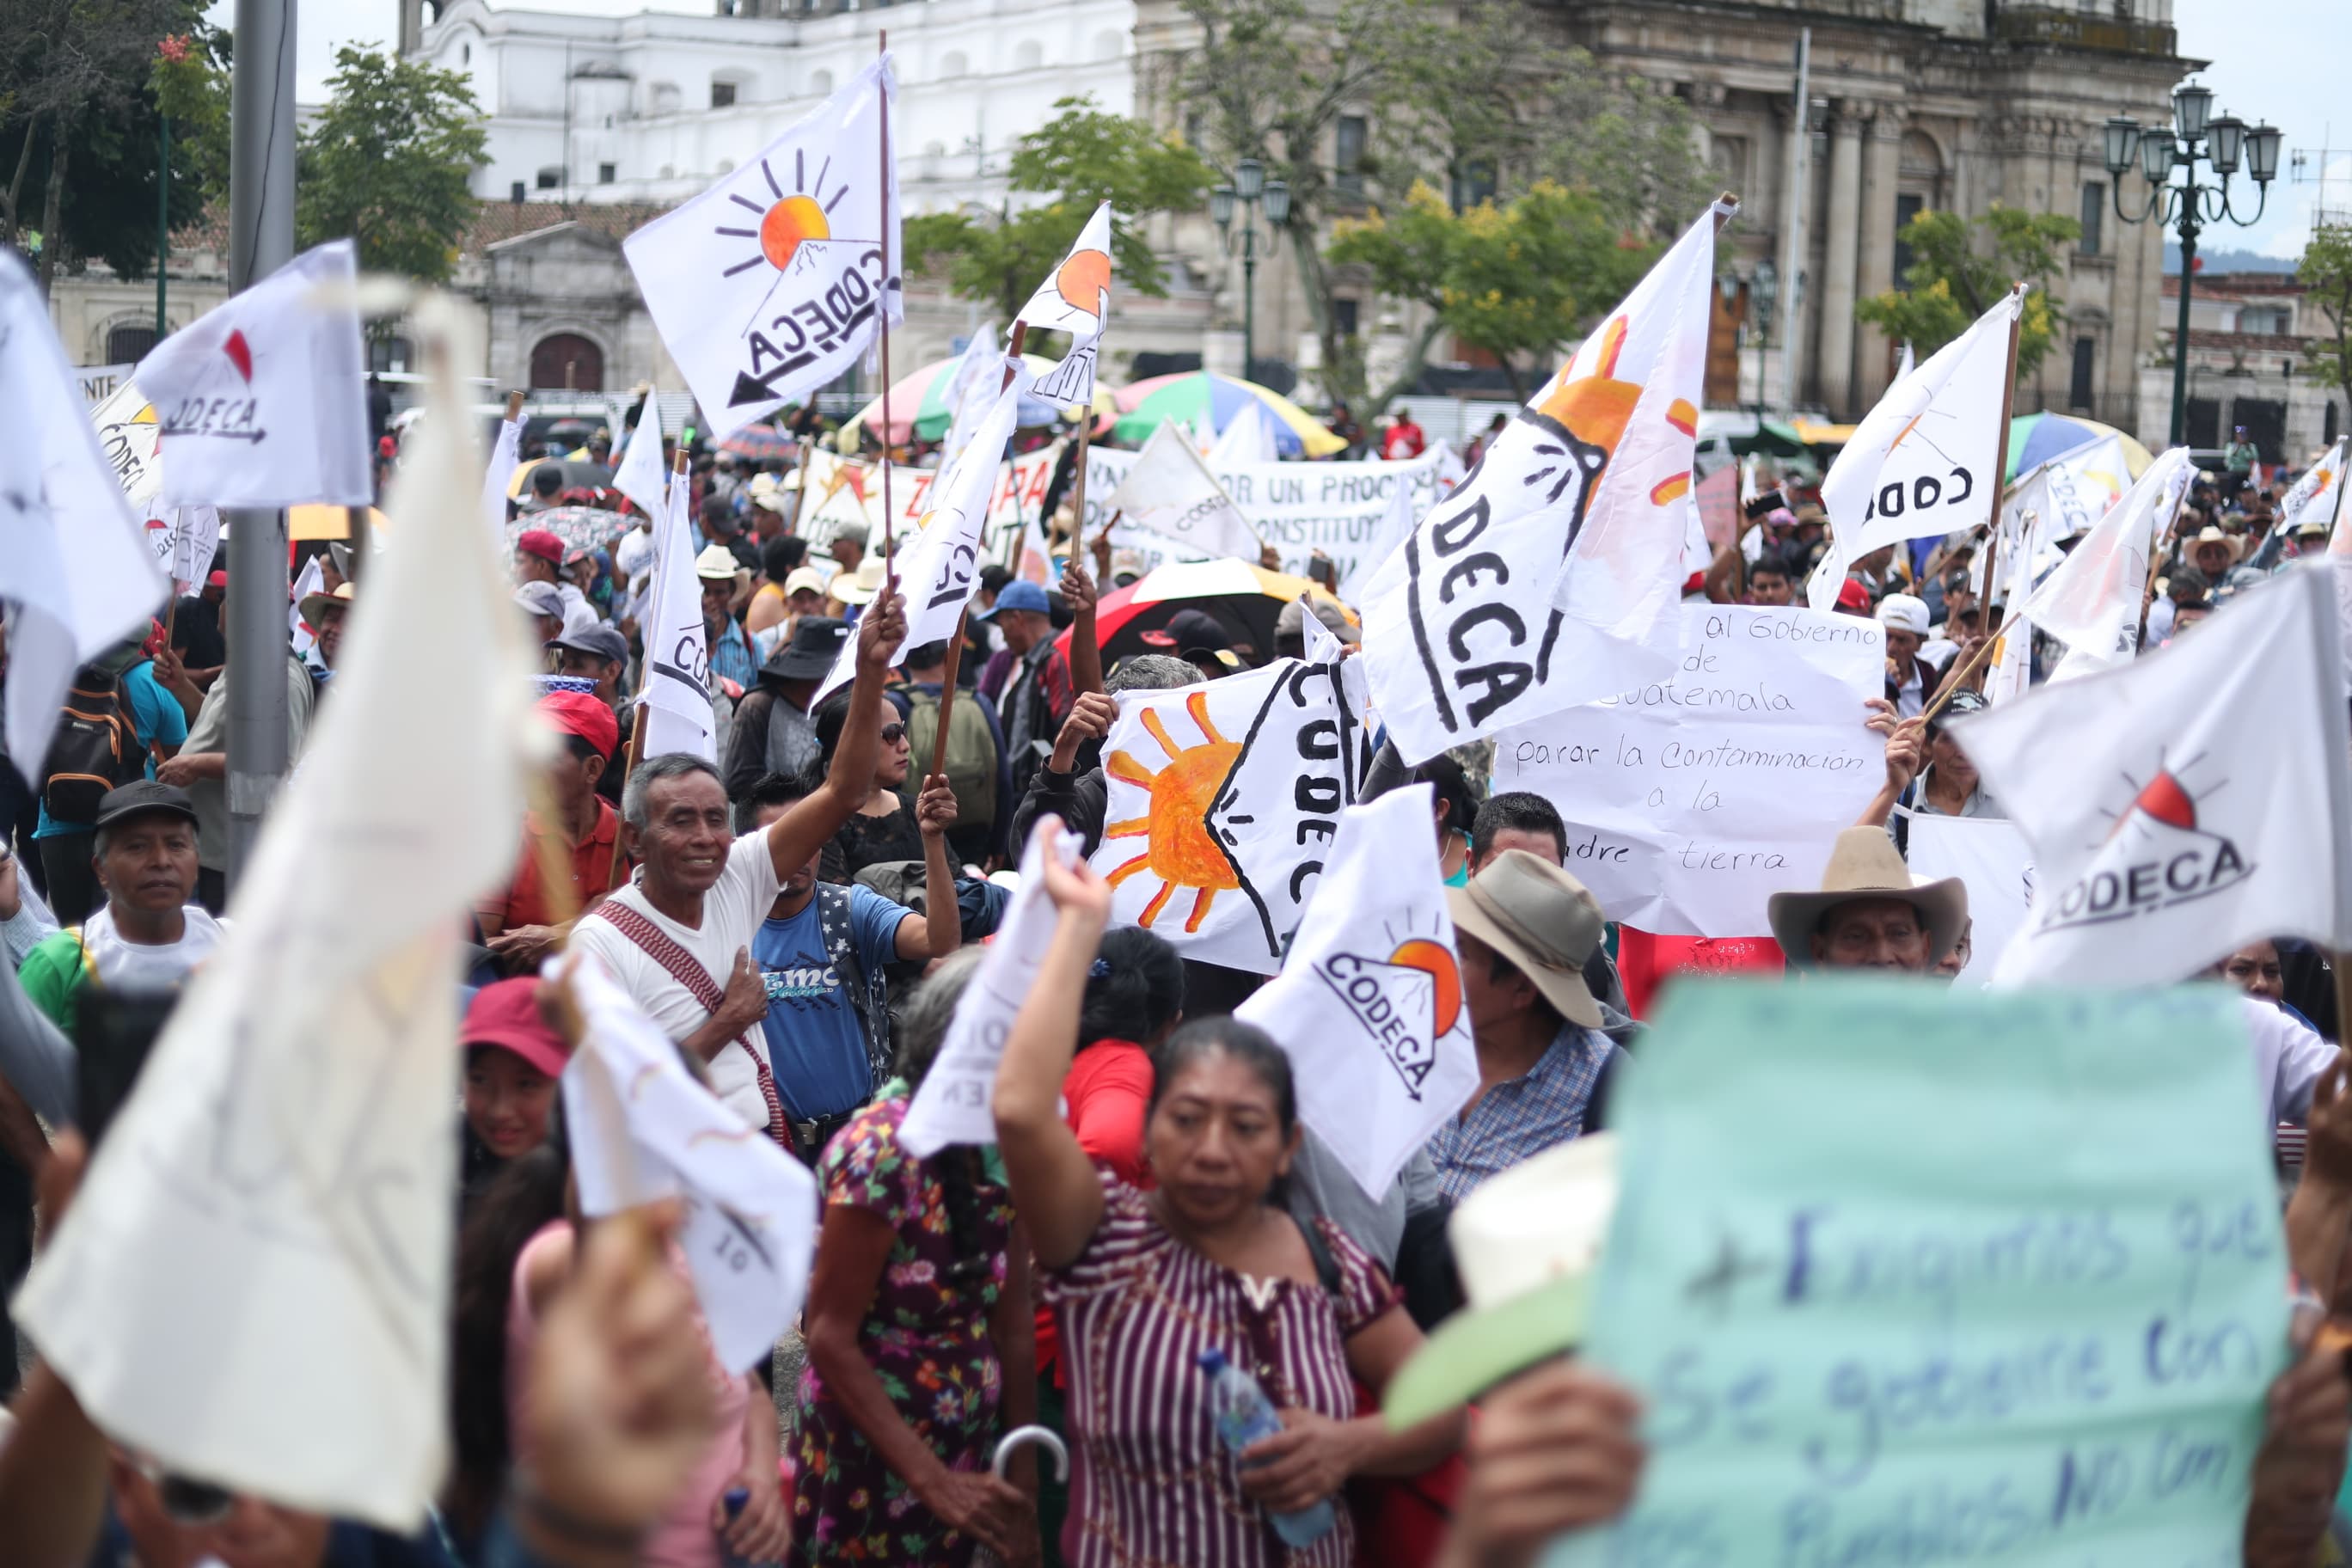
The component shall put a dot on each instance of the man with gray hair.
(680, 939)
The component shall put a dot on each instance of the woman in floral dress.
(921, 1350)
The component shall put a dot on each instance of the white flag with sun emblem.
(1369, 1002)
(1220, 805)
(2184, 805)
(1545, 577)
(1076, 299)
(772, 282)
(2092, 602)
(262, 401)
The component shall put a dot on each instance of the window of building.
(549, 178)
(1473, 182)
(722, 95)
(1907, 208)
(517, 191)
(2094, 218)
(1343, 317)
(2204, 421)
(465, 54)
(2330, 421)
(126, 345)
(1028, 55)
(605, 173)
(567, 359)
(2263, 320)
(820, 82)
(391, 355)
(954, 63)
(2078, 388)
(1348, 154)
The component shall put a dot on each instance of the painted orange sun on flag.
(1082, 280)
(788, 219)
(1179, 848)
(1434, 959)
(1596, 407)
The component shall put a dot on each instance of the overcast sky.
(2280, 66)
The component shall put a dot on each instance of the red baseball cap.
(539, 542)
(218, 579)
(577, 713)
(1852, 596)
(505, 1014)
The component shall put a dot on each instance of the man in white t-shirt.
(679, 938)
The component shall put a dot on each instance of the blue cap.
(1018, 595)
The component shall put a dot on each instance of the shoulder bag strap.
(686, 970)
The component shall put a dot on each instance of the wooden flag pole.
(882, 328)
(947, 696)
(1078, 485)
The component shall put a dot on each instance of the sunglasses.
(185, 1500)
(893, 733)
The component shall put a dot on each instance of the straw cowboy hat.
(2210, 534)
(1541, 918)
(1864, 864)
(1527, 1243)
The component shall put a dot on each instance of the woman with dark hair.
(883, 829)
(919, 1345)
(1456, 807)
(1144, 1282)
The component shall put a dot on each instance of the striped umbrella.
(2035, 438)
(760, 443)
(918, 402)
(1208, 401)
(1243, 595)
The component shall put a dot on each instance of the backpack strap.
(868, 997)
(686, 970)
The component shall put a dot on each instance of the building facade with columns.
(2250, 341)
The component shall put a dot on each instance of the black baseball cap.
(139, 798)
(597, 642)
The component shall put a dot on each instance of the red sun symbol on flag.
(239, 354)
(2166, 802)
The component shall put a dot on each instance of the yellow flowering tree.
(1961, 267)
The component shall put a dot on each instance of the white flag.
(2319, 493)
(1905, 363)
(128, 434)
(674, 706)
(972, 389)
(1076, 299)
(1396, 527)
(952, 1105)
(938, 569)
(1923, 461)
(262, 401)
(644, 1129)
(313, 580)
(74, 563)
(1170, 494)
(1368, 1004)
(640, 477)
(1995, 864)
(506, 456)
(2186, 803)
(260, 1255)
(184, 538)
(770, 283)
(1220, 805)
(2072, 491)
(1248, 438)
(2092, 602)
(1572, 521)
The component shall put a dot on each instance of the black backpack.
(96, 748)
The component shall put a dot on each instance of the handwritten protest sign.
(1909, 1277)
(1691, 801)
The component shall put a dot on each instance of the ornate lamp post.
(1251, 190)
(2193, 204)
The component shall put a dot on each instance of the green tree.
(387, 162)
(1082, 157)
(2326, 271)
(1520, 280)
(192, 87)
(1959, 270)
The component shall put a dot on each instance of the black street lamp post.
(1251, 189)
(2192, 204)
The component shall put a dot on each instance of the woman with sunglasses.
(883, 829)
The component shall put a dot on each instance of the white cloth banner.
(2092, 602)
(1368, 1004)
(74, 563)
(640, 475)
(939, 567)
(1690, 802)
(262, 400)
(506, 456)
(273, 1204)
(302, 635)
(770, 283)
(1220, 805)
(1993, 861)
(2319, 493)
(953, 1104)
(129, 437)
(2071, 492)
(1397, 524)
(644, 1129)
(184, 538)
(99, 381)
(1573, 521)
(1923, 461)
(1076, 299)
(2186, 804)
(674, 706)
(1169, 492)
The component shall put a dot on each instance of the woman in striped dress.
(1144, 1282)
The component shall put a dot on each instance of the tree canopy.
(2327, 271)
(1959, 270)
(387, 163)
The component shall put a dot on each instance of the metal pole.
(163, 217)
(1249, 296)
(1800, 156)
(2181, 338)
(261, 240)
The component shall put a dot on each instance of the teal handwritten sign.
(1910, 1277)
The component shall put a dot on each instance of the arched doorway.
(567, 359)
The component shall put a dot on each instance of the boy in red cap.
(539, 558)
(521, 922)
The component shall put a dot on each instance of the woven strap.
(688, 970)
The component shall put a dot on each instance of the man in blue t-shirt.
(828, 1033)
(161, 725)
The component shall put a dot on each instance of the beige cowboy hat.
(861, 586)
(2210, 534)
(1864, 864)
(1528, 1244)
(313, 606)
(1539, 917)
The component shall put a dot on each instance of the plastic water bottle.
(736, 1499)
(1245, 1416)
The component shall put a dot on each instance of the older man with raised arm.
(680, 939)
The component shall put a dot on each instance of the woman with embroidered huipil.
(1144, 1282)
